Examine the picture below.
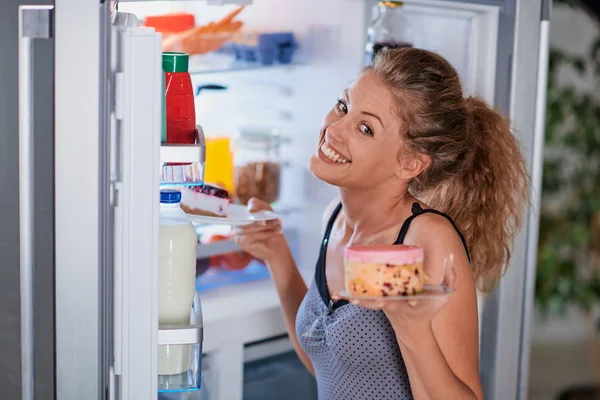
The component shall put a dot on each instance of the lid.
(173, 61)
(395, 254)
(391, 4)
(170, 196)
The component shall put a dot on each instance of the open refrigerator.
(106, 149)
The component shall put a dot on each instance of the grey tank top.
(353, 350)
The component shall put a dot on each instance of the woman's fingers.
(369, 304)
(256, 236)
(256, 227)
(255, 205)
(449, 277)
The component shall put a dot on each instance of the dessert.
(205, 200)
(384, 270)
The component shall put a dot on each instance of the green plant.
(568, 271)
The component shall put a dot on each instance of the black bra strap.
(418, 210)
(320, 277)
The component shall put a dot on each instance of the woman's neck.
(370, 212)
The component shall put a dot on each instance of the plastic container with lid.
(176, 279)
(257, 164)
(179, 94)
(390, 29)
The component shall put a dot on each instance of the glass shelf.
(240, 66)
(209, 2)
(223, 62)
(209, 278)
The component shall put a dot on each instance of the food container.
(257, 166)
(384, 270)
(170, 23)
(266, 48)
(183, 164)
(206, 38)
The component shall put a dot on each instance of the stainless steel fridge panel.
(79, 200)
(43, 270)
(503, 335)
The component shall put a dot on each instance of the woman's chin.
(324, 171)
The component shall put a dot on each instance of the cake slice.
(384, 270)
(205, 200)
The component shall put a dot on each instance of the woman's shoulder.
(438, 238)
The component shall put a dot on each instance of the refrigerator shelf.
(206, 250)
(240, 66)
(209, 2)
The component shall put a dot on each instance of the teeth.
(332, 155)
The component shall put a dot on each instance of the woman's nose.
(335, 132)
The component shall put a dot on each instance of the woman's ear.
(411, 167)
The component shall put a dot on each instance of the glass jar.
(257, 166)
(390, 29)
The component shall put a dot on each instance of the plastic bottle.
(176, 278)
(390, 29)
(180, 109)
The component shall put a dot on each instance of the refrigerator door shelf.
(180, 334)
(185, 153)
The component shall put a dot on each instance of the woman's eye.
(365, 130)
(341, 107)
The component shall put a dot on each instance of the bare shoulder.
(327, 213)
(438, 238)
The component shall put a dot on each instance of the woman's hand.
(411, 316)
(263, 240)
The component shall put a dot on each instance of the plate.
(430, 291)
(237, 215)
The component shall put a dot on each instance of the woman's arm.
(441, 354)
(292, 289)
(265, 241)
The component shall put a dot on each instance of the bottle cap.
(391, 4)
(173, 61)
(170, 196)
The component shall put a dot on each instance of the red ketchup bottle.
(179, 94)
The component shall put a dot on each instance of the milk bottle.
(176, 278)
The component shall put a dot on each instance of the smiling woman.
(401, 140)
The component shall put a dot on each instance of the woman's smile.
(330, 155)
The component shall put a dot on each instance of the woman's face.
(360, 138)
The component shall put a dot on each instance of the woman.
(415, 163)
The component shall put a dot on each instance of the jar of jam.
(257, 166)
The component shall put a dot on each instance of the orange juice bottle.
(218, 169)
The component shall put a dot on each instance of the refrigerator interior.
(293, 99)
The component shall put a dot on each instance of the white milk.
(176, 281)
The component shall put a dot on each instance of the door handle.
(35, 22)
(537, 166)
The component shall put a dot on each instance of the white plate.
(428, 292)
(237, 215)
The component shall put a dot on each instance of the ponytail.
(476, 174)
(486, 198)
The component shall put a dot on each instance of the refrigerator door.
(520, 94)
(26, 112)
(81, 199)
